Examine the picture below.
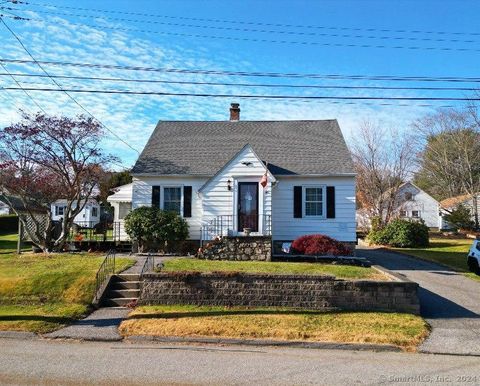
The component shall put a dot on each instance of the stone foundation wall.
(239, 248)
(296, 291)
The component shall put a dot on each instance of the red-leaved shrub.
(317, 245)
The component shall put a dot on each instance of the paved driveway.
(449, 301)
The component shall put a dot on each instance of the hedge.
(8, 224)
(401, 233)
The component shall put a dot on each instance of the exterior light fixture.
(229, 184)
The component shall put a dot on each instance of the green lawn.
(403, 330)
(339, 271)
(451, 252)
(41, 292)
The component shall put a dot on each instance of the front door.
(248, 206)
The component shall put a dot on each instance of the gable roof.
(202, 148)
(123, 193)
(454, 201)
(246, 147)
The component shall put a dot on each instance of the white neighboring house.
(89, 216)
(121, 202)
(452, 203)
(415, 203)
(210, 173)
(411, 203)
(4, 209)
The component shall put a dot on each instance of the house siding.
(286, 227)
(218, 200)
(421, 201)
(84, 216)
(142, 196)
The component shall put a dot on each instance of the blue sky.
(58, 32)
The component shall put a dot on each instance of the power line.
(292, 97)
(267, 85)
(25, 91)
(258, 40)
(243, 29)
(251, 74)
(65, 91)
(40, 4)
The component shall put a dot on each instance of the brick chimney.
(234, 111)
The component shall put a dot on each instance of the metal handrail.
(107, 268)
(223, 225)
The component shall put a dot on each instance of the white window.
(172, 199)
(94, 211)
(314, 199)
(415, 213)
(59, 210)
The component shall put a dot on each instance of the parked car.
(473, 259)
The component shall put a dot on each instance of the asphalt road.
(44, 362)
(449, 301)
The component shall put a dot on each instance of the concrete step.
(123, 293)
(127, 277)
(117, 302)
(119, 285)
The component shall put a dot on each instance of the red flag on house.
(264, 180)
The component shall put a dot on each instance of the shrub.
(401, 233)
(152, 226)
(319, 245)
(460, 218)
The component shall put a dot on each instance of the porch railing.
(87, 231)
(230, 225)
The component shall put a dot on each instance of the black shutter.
(156, 196)
(297, 201)
(330, 201)
(187, 201)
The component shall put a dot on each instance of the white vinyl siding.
(286, 227)
(415, 203)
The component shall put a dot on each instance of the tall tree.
(383, 160)
(44, 158)
(450, 159)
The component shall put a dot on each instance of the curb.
(18, 335)
(265, 343)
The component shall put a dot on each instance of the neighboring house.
(4, 209)
(89, 216)
(121, 202)
(411, 203)
(210, 173)
(414, 203)
(452, 203)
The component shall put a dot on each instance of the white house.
(452, 203)
(4, 209)
(89, 216)
(414, 203)
(121, 202)
(411, 203)
(211, 172)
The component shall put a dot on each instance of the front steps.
(123, 289)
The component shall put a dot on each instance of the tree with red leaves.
(45, 158)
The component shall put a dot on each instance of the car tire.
(473, 265)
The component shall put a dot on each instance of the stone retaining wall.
(297, 291)
(239, 248)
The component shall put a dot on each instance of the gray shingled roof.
(202, 148)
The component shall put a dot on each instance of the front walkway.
(449, 301)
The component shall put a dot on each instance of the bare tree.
(45, 158)
(450, 158)
(383, 161)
